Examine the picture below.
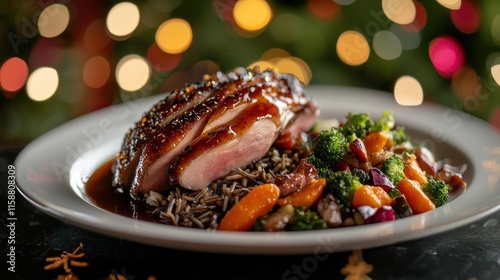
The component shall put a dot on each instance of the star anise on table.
(67, 260)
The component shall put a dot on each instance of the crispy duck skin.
(229, 118)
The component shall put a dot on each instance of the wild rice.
(205, 207)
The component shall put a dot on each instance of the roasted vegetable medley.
(358, 171)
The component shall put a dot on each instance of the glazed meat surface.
(200, 133)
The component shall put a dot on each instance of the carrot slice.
(307, 196)
(419, 202)
(384, 197)
(256, 203)
(413, 171)
(365, 196)
(375, 141)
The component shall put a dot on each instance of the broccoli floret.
(388, 123)
(385, 123)
(363, 177)
(357, 125)
(437, 191)
(330, 146)
(393, 168)
(343, 184)
(398, 135)
(324, 170)
(306, 219)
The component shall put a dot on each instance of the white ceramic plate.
(51, 172)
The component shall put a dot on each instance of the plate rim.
(386, 233)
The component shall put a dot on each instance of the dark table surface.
(468, 252)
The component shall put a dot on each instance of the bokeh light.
(387, 45)
(161, 61)
(53, 20)
(352, 48)
(408, 91)
(13, 74)
(420, 19)
(96, 72)
(46, 52)
(495, 73)
(399, 11)
(344, 2)
(495, 30)
(468, 18)
(274, 53)
(295, 66)
(252, 15)
(410, 40)
(446, 55)
(465, 83)
(174, 36)
(132, 72)
(122, 20)
(450, 4)
(202, 68)
(323, 9)
(95, 37)
(42, 83)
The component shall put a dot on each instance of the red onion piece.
(358, 148)
(380, 179)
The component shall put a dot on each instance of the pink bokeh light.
(447, 55)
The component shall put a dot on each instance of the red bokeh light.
(46, 52)
(468, 18)
(323, 9)
(420, 19)
(13, 75)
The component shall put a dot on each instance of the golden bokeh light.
(495, 72)
(352, 48)
(252, 15)
(174, 36)
(96, 72)
(408, 91)
(122, 20)
(273, 54)
(451, 4)
(53, 20)
(132, 72)
(295, 66)
(42, 83)
(400, 11)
